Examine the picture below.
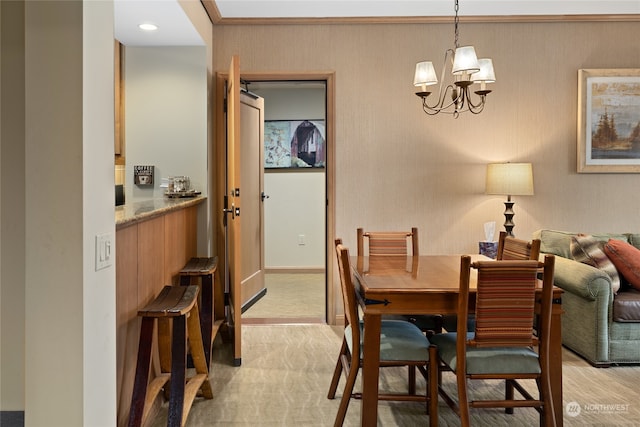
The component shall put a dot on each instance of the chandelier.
(455, 98)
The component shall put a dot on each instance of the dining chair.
(395, 243)
(509, 248)
(401, 344)
(387, 242)
(503, 345)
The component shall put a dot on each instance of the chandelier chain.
(455, 22)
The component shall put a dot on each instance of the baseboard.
(11, 418)
(254, 300)
(294, 270)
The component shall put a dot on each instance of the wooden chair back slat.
(510, 248)
(505, 302)
(387, 243)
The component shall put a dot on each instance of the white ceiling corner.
(176, 29)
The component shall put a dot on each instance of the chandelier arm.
(451, 53)
(480, 103)
(429, 110)
(440, 104)
(477, 109)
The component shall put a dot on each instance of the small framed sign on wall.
(143, 175)
(609, 120)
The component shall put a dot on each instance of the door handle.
(263, 196)
(233, 211)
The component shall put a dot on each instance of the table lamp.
(509, 179)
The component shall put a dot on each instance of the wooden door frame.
(329, 78)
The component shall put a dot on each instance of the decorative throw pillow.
(626, 258)
(587, 249)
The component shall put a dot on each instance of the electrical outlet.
(104, 250)
(302, 240)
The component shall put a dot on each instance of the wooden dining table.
(424, 285)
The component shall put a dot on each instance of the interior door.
(233, 210)
(243, 202)
(252, 176)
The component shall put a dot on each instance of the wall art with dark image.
(294, 144)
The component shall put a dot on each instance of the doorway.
(298, 199)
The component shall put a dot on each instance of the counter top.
(133, 212)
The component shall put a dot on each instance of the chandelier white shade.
(425, 75)
(486, 73)
(465, 61)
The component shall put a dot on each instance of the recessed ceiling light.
(148, 27)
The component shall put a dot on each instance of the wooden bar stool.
(180, 305)
(204, 268)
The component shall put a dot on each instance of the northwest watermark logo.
(573, 409)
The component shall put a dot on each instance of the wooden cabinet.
(149, 255)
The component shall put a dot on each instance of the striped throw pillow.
(588, 250)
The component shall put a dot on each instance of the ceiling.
(174, 28)
(403, 8)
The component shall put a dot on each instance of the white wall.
(296, 203)
(166, 119)
(165, 115)
(99, 320)
(295, 207)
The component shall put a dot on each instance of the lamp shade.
(465, 61)
(486, 73)
(425, 74)
(510, 179)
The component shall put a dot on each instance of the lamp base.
(508, 217)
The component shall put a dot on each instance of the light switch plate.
(104, 250)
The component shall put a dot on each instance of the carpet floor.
(286, 370)
(290, 296)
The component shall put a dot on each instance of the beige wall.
(398, 168)
(53, 284)
(12, 207)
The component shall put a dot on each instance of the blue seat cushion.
(399, 340)
(488, 360)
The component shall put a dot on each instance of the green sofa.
(591, 324)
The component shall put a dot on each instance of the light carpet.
(286, 371)
(297, 295)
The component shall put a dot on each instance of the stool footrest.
(194, 384)
(153, 389)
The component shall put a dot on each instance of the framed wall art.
(295, 144)
(143, 175)
(609, 120)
